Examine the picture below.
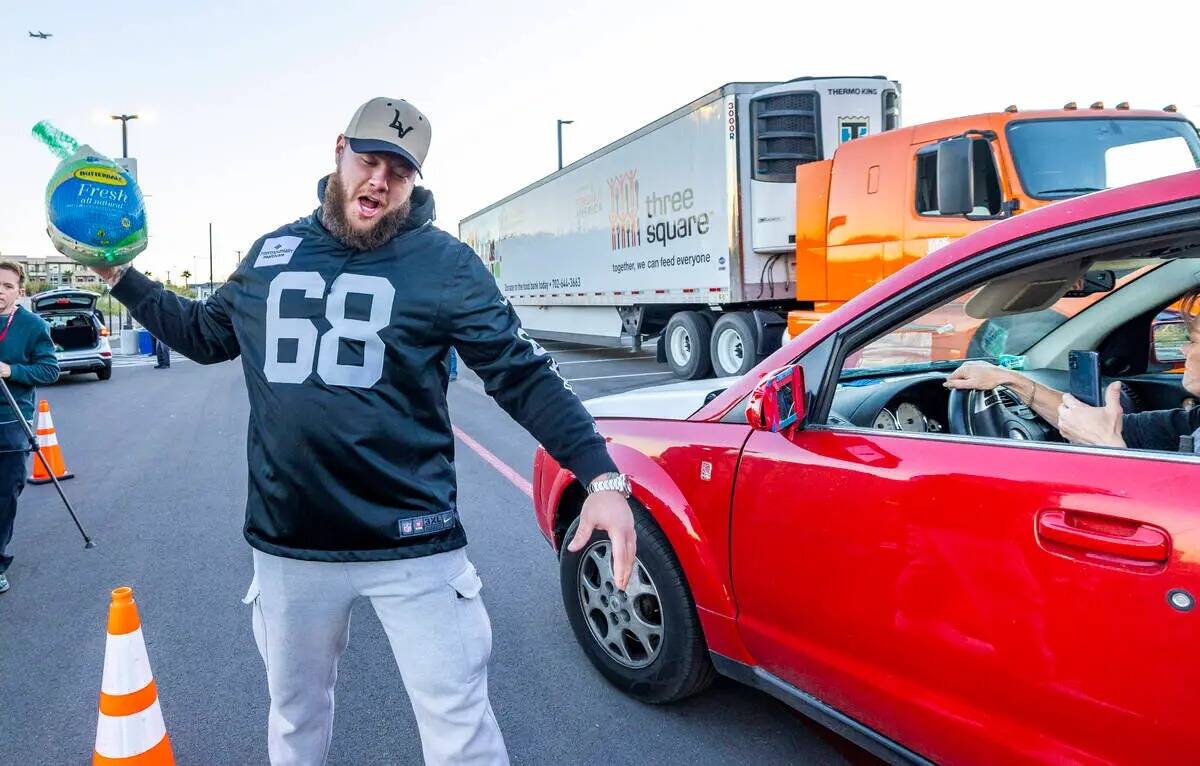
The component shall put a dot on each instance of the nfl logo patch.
(406, 528)
(419, 525)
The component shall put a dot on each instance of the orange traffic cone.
(130, 730)
(48, 442)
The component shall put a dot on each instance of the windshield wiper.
(1070, 190)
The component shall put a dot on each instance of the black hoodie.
(350, 451)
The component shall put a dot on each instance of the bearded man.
(343, 320)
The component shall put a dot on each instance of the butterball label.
(277, 251)
(101, 175)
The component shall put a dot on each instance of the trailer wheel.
(734, 345)
(687, 340)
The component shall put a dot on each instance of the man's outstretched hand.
(610, 512)
(110, 274)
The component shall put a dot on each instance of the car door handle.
(1104, 534)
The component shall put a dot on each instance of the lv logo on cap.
(403, 131)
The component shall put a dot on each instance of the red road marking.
(517, 479)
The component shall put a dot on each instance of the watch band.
(614, 482)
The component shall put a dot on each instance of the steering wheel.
(985, 413)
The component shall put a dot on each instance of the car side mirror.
(777, 402)
(1166, 341)
(955, 177)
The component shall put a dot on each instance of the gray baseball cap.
(390, 125)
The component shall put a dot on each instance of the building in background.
(50, 271)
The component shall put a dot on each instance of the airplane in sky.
(41, 35)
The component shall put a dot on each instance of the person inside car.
(1107, 426)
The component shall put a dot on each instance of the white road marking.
(609, 377)
(141, 360)
(578, 348)
(595, 361)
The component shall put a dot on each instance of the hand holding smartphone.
(1084, 377)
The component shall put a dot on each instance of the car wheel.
(646, 641)
(104, 374)
(687, 338)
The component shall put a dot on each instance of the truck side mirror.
(777, 402)
(955, 177)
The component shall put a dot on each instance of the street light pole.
(124, 118)
(127, 320)
(560, 124)
(210, 272)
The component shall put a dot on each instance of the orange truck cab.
(887, 199)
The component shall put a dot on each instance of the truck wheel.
(646, 641)
(734, 345)
(687, 339)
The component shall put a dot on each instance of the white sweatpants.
(438, 629)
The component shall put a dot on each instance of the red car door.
(976, 601)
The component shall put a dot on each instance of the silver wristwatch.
(615, 482)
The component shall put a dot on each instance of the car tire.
(105, 373)
(681, 666)
(734, 344)
(687, 340)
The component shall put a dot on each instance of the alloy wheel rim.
(629, 625)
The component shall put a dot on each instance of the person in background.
(452, 358)
(26, 360)
(163, 353)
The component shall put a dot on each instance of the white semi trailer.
(684, 229)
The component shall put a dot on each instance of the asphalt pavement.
(159, 459)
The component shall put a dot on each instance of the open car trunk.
(69, 313)
(72, 331)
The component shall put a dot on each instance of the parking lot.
(159, 460)
(601, 370)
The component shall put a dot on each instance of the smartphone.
(1084, 377)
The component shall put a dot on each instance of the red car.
(938, 577)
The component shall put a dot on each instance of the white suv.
(77, 329)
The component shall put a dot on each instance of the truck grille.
(785, 134)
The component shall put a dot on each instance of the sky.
(240, 103)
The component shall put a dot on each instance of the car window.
(948, 334)
(60, 302)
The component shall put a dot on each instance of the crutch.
(37, 450)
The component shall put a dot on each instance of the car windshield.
(944, 337)
(1062, 158)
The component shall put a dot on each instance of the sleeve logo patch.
(277, 251)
